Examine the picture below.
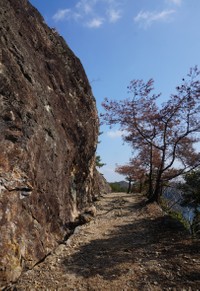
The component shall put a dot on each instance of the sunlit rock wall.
(48, 136)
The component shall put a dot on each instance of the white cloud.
(95, 22)
(176, 2)
(115, 133)
(61, 14)
(146, 18)
(92, 13)
(85, 6)
(114, 15)
(109, 173)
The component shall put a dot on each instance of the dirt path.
(128, 246)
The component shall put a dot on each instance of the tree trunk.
(156, 194)
(129, 186)
(150, 190)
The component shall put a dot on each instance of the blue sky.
(121, 40)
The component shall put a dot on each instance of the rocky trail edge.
(128, 246)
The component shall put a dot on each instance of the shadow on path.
(137, 243)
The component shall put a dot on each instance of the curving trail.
(128, 246)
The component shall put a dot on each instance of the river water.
(174, 199)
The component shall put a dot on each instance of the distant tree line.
(118, 187)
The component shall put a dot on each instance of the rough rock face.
(101, 186)
(48, 136)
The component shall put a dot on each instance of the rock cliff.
(101, 186)
(48, 137)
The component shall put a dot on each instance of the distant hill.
(121, 186)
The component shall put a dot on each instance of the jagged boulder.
(48, 137)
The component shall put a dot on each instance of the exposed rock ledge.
(48, 136)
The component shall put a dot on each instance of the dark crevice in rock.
(41, 261)
(11, 138)
(49, 132)
(22, 189)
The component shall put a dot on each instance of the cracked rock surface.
(48, 137)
